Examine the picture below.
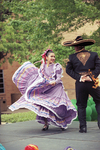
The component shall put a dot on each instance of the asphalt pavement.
(16, 136)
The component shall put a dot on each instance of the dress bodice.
(48, 71)
(52, 72)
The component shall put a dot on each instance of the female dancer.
(42, 92)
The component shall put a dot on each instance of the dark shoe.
(45, 128)
(83, 130)
(63, 129)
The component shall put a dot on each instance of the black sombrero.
(79, 42)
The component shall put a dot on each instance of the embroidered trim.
(83, 57)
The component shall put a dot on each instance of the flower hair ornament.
(44, 55)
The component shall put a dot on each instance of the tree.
(27, 28)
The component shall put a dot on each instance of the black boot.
(98, 112)
(83, 129)
(82, 119)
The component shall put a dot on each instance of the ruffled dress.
(39, 96)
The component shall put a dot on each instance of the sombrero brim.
(84, 42)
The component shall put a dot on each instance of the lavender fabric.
(39, 96)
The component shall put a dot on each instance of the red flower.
(44, 54)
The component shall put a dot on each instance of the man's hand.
(85, 78)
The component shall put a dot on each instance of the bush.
(91, 113)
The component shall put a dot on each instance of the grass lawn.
(18, 117)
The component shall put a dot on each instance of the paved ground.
(17, 135)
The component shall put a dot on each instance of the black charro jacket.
(81, 62)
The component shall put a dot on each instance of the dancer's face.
(50, 58)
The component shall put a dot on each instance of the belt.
(84, 73)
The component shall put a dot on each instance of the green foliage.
(62, 52)
(94, 112)
(91, 113)
(88, 111)
(18, 117)
(73, 101)
(27, 28)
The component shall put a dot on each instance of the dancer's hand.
(52, 83)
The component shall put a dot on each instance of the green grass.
(18, 117)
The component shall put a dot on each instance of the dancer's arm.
(58, 74)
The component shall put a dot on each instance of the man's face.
(76, 48)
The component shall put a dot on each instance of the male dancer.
(79, 67)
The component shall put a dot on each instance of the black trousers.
(83, 89)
